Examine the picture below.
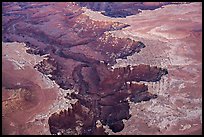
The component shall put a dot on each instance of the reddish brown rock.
(75, 121)
(23, 97)
(81, 53)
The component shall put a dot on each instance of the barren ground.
(21, 115)
(173, 39)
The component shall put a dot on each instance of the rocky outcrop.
(76, 121)
(105, 91)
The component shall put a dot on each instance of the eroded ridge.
(81, 52)
(104, 92)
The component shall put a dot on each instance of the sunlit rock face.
(81, 52)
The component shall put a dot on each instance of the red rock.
(77, 47)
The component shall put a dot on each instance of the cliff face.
(81, 52)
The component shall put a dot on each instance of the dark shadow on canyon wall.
(80, 56)
(122, 9)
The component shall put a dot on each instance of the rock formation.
(81, 52)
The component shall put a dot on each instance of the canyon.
(74, 71)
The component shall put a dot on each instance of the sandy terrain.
(26, 110)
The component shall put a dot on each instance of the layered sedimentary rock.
(81, 52)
